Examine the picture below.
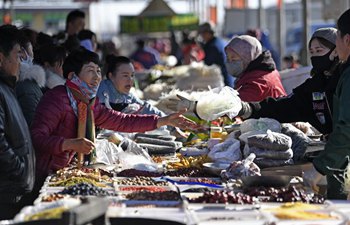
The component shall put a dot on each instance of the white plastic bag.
(219, 102)
(128, 160)
(106, 152)
(244, 168)
(262, 124)
(227, 151)
(135, 157)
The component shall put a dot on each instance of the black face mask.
(321, 63)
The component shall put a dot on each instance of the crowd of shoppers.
(52, 100)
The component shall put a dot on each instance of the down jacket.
(28, 89)
(56, 121)
(260, 80)
(17, 159)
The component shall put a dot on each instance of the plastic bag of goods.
(227, 151)
(300, 141)
(271, 141)
(238, 169)
(262, 124)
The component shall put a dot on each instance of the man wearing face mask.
(254, 69)
(31, 80)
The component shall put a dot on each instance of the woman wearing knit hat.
(254, 69)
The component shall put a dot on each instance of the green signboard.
(136, 24)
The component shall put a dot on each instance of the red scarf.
(86, 121)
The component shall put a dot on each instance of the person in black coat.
(30, 81)
(17, 159)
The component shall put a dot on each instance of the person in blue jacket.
(114, 92)
(145, 55)
(214, 51)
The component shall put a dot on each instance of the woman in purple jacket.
(67, 115)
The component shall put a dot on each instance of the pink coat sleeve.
(46, 120)
(117, 121)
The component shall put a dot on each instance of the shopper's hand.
(178, 133)
(81, 145)
(177, 120)
(312, 178)
(187, 104)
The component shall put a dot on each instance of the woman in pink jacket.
(254, 69)
(66, 116)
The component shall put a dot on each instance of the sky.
(266, 3)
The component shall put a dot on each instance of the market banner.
(149, 24)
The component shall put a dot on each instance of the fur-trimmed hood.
(53, 79)
(32, 72)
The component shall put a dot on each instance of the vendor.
(114, 92)
(67, 114)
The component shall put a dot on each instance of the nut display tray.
(222, 216)
(152, 204)
(138, 181)
(133, 188)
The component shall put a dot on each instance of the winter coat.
(17, 159)
(260, 80)
(112, 98)
(147, 56)
(55, 121)
(53, 79)
(337, 150)
(28, 89)
(311, 102)
(215, 54)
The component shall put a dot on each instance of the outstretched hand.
(312, 178)
(178, 120)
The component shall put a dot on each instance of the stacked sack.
(158, 144)
(271, 149)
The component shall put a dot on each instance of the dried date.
(223, 197)
(291, 194)
(135, 173)
(188, 172)
(154, 196)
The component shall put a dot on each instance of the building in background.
(230, 16)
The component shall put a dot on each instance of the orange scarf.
(86, 121)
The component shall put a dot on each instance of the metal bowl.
(215, 168)
(266, 181)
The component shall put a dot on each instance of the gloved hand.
(312, 178)
(185, 103)
(246, 110)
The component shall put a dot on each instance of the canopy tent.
(157, 17)
(157, 8)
